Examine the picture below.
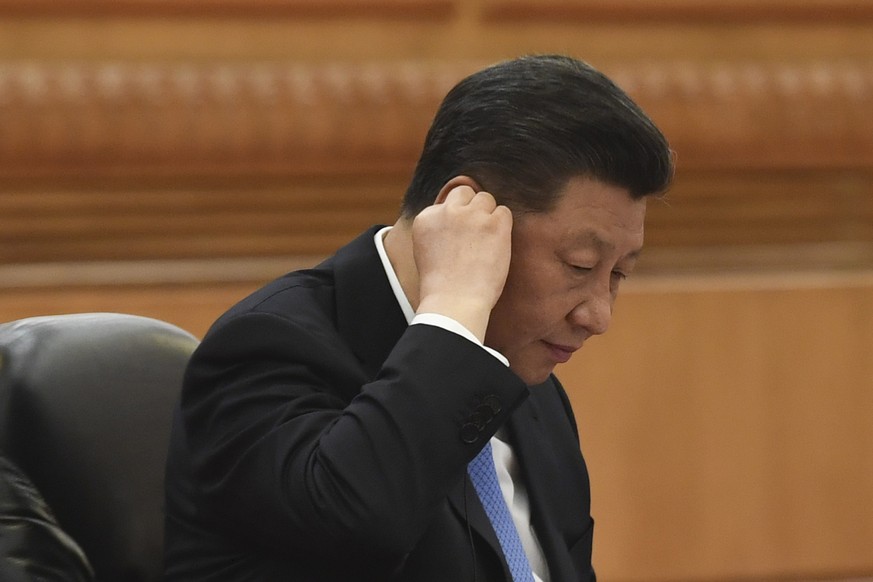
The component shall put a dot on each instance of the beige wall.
(727, 424)
(164, 158)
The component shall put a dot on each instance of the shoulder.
(292, 294)
(299, 299)
(292, 312)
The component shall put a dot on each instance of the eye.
(620, 275)
(579, 269)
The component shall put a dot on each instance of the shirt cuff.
(449, 324)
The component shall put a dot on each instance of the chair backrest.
(32, 544)
(86, 404)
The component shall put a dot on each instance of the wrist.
(471, 313)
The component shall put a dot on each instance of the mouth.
(560, 353)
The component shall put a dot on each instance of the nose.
(594, 312)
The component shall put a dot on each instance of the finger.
(503, 212)
(484, 200)
(460, 195)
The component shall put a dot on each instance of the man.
(331, 424)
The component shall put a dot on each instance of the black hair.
(522, 128)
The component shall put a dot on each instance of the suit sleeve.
(289, 441)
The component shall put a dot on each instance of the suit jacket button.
(484, 413)
(478, 420)
(492, 402)
(469, 433)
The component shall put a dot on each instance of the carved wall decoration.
(306, 119)
(190, 119)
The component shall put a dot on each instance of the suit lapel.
(469, 509)
(528, 443)
(554, 490)
(368, 314)
(538, 461)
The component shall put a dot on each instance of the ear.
(454, 183)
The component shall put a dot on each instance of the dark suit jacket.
(321, 438)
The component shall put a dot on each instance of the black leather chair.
(32, 544)
(86, 403)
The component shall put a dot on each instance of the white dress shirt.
(508, 471)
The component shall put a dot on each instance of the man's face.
(566, 268)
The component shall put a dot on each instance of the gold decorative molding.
(277, 118)
(216, 119)
(247, 8)
(814, 11)
(762, 115)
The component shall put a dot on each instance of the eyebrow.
(592, 238)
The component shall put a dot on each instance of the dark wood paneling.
(748, 11)
(762, 207)
(247, 8)
(129, 221)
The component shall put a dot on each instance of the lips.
(560, 353)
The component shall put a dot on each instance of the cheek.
(532, 301)
(533, 278)
(520, 297)
(513, 320)
(528, 308)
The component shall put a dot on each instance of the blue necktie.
(484, 478)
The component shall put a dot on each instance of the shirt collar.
(402, 300)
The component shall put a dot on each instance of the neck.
(398, 247)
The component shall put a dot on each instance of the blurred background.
(166, 157)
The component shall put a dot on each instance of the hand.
(462, 249)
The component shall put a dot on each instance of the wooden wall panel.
(248, 8)
(726, 421)
(815, 11)
(762, 208)
(212, 221)
(731, 218)
(500, 10)
(192, 307)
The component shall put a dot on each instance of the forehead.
(590, 214)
